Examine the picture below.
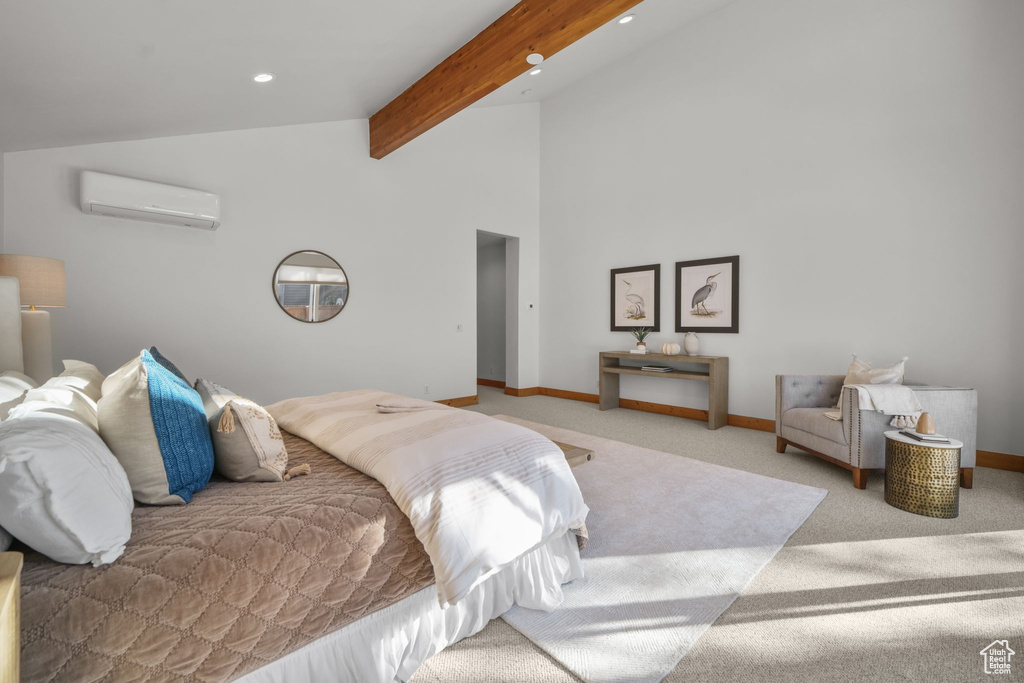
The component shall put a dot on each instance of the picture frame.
(636, 298)
(708, 295)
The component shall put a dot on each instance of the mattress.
(237, 579)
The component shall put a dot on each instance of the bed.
(324, 576)
(314, 578)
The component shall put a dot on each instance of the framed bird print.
(636, 298)
(708, 295)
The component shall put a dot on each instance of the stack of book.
(926, 438)
(656, 368)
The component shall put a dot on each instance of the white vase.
(670, 349)
(691, 344)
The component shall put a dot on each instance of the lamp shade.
(40, 279)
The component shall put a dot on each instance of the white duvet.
(479, 492)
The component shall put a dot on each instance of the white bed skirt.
(390, 644)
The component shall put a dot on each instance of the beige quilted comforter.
(239, 577)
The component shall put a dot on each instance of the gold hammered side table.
(921, 477)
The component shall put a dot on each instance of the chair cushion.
(813, 421)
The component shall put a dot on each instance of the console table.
(716, 375)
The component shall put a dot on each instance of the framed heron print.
(636, 298)
(708, 295)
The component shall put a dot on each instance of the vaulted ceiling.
(74, 72)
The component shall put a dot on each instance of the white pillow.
(13, 386)
(861, 372)
(5, 539)
(64, 493)
(84, 376)
(59, 396)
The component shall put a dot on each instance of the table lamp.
(41, 281)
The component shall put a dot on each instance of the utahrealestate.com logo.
(997, 657)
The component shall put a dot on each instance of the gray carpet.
(862, 591)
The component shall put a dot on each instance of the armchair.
(857, 443)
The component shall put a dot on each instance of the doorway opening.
(497, 296)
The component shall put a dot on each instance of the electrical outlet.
(458, 328)
(426, 388)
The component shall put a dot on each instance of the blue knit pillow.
(155, 425)
(159, 358)
(182, 430)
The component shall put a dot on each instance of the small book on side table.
(925, 438)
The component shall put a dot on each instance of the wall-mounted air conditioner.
(142, 200)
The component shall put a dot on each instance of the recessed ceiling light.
(534, 58)
(263, 78)
(626, 19)
(536, 71)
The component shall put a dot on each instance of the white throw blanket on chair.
(889, 399)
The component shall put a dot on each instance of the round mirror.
(310, 286)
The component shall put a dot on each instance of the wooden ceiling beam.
(494, 57)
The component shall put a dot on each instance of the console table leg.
(608, 393)
(718, 395)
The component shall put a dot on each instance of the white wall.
(404, 229)
(490, 307)
(866, 161)
(1, 203)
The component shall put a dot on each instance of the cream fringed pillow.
(861, 372)
(247, 444)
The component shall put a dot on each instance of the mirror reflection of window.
(311, 286)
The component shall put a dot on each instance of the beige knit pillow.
(247, 443)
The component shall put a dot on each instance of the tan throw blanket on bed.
(479, 492)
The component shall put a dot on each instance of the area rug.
(673, 542)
